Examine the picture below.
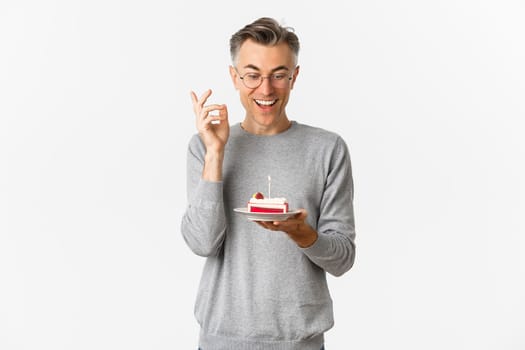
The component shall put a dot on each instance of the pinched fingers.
(206, 114)
(212, 114)
(206, 111)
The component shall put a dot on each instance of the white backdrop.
(95, 119)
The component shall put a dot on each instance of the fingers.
(300, 216)
(202, 100)
(268, 225)
(194, 98)
(213, 114)
(284, 226)
(202, 111)
(205, 111)
(288, 225)
(205, 96)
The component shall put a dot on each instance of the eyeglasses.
(254, 80)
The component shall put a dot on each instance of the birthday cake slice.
(259, 204)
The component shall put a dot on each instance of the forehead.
(265, 57)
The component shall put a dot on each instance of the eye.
(279, 76)
(252, 76)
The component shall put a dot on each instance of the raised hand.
(212, 122)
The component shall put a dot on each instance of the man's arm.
(213, 127)
(334, 250)
(331, 246)
(204, 224)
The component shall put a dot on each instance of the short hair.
(266, 31)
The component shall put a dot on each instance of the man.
(264, 284)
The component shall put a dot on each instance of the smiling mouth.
(265, 103)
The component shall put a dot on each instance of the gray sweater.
(258, 289)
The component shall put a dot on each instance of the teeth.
(265, 102)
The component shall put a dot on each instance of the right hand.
(214, 135)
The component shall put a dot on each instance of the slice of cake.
(259, 204)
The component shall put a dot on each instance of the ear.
(234, 75)
(295, 74)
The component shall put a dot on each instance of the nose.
(266, 86)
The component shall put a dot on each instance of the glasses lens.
(254, 80)
(280, 80)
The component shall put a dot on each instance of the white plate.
(265, 216)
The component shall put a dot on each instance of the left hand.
(295, 227)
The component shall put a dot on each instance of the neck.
(258, 129)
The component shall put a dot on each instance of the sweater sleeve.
(334, 250)
(203, 224)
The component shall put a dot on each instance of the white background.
(95, 119)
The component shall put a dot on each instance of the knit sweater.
(259, 289)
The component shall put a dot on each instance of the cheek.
(246, 101)
(245, 95)
(284, 98)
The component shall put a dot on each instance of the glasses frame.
(261, 78)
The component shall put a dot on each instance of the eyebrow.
(251, 66)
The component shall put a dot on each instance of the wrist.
(213, 156)
(305, 236)
(212, 170)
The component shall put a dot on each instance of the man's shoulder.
(317, 132)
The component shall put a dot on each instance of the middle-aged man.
(264, 283)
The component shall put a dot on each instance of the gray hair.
(265, 31)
